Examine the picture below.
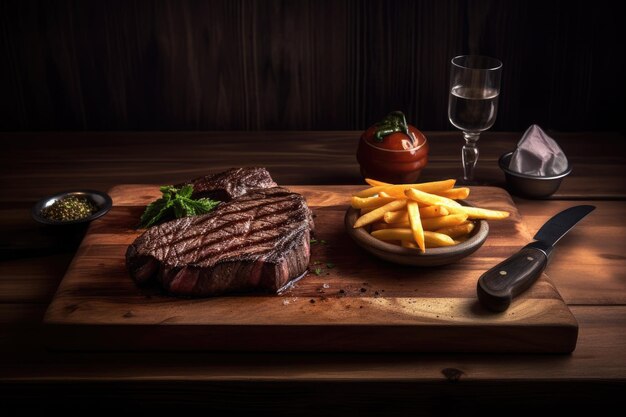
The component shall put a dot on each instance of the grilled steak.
(224, 186)
(257, 242)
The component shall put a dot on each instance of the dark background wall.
(326, 64)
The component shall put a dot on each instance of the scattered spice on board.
(315, 241)
(69, 208)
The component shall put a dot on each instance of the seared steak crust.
(257, 242)
(235, 182)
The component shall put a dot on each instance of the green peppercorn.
(69, 208)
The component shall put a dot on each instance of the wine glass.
(473, 102)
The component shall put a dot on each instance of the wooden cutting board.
(353, 303)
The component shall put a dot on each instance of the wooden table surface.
(589, 270)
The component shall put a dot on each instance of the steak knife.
(498, 286)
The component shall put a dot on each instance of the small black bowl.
(101, 200)
(531, 186)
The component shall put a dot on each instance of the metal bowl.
(531, 186)
(405, 256)
(101, 200)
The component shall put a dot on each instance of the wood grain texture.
(358, 304)
(33, 165)
(329, 64)
(599, 355)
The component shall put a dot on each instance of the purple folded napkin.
(538, 154)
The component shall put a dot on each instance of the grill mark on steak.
(233, 222)
(258, 241)
(184, 238)
(245, 243)
(270, 226)
(251, 243)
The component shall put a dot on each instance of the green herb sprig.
(392, 123)
(175, 203)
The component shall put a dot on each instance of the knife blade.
(499, 285)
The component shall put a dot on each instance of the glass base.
(462, 182)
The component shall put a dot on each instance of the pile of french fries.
(419, 216)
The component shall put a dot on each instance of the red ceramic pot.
(396, 159)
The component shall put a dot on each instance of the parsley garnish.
(175, 203)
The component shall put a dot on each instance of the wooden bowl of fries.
(427, 224)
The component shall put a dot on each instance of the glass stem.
(470, 155)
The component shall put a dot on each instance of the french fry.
(375, 183)
(433, 211)
(398, 190)
(394, 192)
(478, 213)
(396, 216)
(402, 225)
(435, 240)
(457, 231)
(429, 199)
(425, 213)
(382, 225)
(409, 244)
(378, 214)
(455, 193)
(379, 226)
(358, 202)
(372, 191)
(384, 194)
(416, 224)
(393, 234)
(431, 239)
(435, 223)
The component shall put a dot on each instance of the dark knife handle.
(498, 286)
